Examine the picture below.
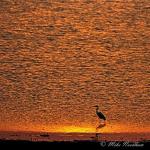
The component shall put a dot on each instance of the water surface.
(58, 58)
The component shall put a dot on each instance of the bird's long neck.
(97, 110)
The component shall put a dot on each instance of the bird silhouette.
(102, 124)
(100, 114)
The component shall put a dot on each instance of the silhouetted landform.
(44, 135)
(75, 144)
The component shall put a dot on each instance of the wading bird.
(101, 125)
(101, 116)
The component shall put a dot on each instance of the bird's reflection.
(100, 126)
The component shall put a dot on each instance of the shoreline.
(74, 144)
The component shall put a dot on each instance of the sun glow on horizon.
(69, 129)
(91, 129)
(77, 128)
(80, 129)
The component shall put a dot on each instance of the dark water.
(37, 136)
(60, 57)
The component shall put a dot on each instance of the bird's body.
(100, 114)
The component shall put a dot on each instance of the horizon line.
(60, 132)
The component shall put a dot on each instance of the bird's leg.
(101, 125)
(97, 134)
